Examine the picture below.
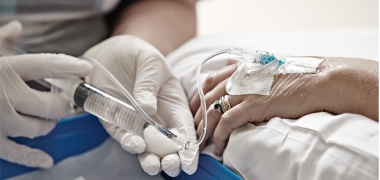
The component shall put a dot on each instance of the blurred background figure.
(72, 27)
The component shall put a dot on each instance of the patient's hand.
(341, 85)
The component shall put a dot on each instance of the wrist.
(350, 86)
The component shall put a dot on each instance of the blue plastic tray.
(84, 132)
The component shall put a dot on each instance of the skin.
(341, 85)
(165, 24)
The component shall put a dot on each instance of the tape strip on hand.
(257, 78)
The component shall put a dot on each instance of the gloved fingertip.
(152, 170)
(171, 165)
(150, 163)
(86, 66)
(147, 101)
(173, 172)
(133, 144)
(37, 158)
(12, 31)
(190, 169)
(16, 25)
(46, 162)
(189, 161)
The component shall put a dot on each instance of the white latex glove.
(22, 107)
(9, 33)
(143, 71)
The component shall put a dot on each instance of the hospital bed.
(83, 134)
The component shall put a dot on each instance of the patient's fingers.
(210, 98)
(237, 116)
(212, 121)
(231, 61)
(213, 80)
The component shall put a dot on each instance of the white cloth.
(316, 146)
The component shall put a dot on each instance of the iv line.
(165, 131)
(181, 142)
(178, 140)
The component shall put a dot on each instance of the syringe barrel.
(108, 108)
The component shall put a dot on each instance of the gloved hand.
(22, 108)
(142, 70)
(9, 34)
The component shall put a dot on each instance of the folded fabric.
(316, 146)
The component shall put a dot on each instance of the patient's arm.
(341, 85)
(351, 87)
(165, 24)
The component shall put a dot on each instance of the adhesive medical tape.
(255, 78)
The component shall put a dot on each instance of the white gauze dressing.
(256, 78)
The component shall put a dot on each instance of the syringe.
(106, 107)
(109, 108)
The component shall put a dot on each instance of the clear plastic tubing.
(237, 51)
(202, 96)
(119, 113)
(111, 109)
(181, 142)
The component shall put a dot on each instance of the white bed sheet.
(316, 146)
(314, 149)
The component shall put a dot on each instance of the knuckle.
(224, 122)
(225, 117)
(211, 111)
